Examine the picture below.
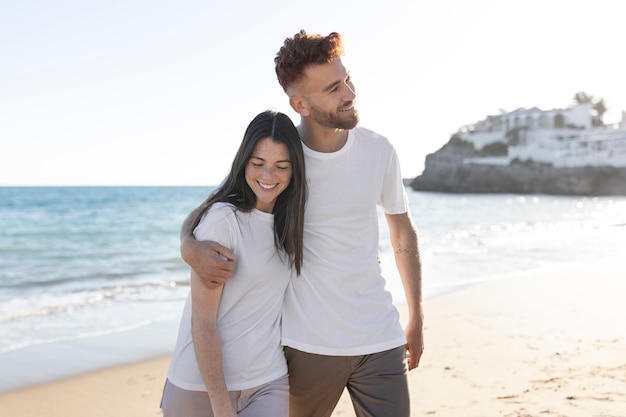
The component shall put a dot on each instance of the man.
(340, 328)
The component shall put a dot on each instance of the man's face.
(330, 96)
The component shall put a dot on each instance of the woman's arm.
(207, 344)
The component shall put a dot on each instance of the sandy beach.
(543, 344)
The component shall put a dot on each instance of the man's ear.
(299, 105)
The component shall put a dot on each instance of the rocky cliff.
(445, 171)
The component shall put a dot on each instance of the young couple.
(288, 305)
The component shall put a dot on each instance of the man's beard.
(335, 120)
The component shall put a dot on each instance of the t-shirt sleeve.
(394, 199)
(217, 225)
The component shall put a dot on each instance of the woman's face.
(268, 172)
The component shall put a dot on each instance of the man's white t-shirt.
(249, 313)
(339, 305)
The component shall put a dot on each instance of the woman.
(229, 338)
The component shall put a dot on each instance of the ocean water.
(92, 276)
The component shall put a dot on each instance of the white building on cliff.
(561, 137)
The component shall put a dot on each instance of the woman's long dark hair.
(289, 207)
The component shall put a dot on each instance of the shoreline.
(46, 363)
(541, 343)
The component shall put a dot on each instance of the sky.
(159, 92)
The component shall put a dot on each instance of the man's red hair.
(303, 50)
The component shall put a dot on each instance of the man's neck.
(321, 138)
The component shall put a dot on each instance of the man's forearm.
(188, 244)
(403, 236)
(186, 230)
(212, 262)
(410, 270)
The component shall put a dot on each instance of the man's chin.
(352, 122)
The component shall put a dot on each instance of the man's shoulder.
(361, 133)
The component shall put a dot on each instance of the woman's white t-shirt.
(249, 313)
